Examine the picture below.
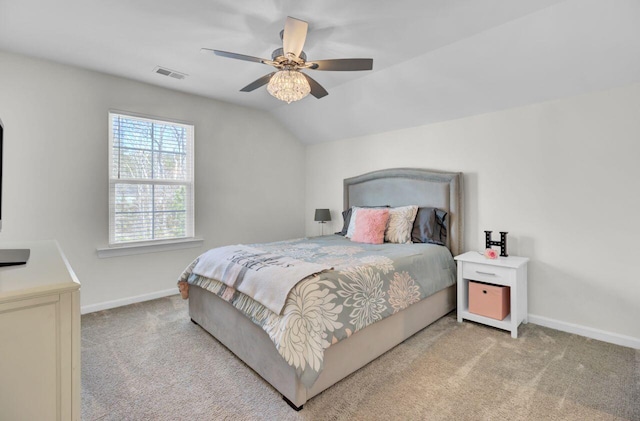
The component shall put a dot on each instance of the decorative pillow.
(371, 225)
(349, 216)
(346, 217)
(430, 226)
(400, 224)
(352, 222)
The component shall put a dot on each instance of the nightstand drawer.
(487, 273)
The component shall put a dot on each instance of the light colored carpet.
(149, 362)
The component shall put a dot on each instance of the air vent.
(171, 73)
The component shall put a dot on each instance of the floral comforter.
(369, 282)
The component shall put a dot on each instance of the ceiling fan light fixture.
(288, 86)
(287, 83)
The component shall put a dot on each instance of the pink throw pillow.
(370, 226)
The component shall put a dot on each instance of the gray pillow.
(430, 226)
(346, 217)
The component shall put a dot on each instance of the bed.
(250, 342)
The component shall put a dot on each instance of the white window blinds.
(150, 180)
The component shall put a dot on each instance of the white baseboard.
(129, 300)
(588, 332)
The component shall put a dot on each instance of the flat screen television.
(9, 257)
(1, 149)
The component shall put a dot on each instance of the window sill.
(142, 248)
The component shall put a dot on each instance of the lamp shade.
(322, 215)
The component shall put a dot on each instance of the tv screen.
(9, 257)
(1, 147)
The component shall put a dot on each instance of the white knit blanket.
(264, 276)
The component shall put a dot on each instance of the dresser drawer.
(487, 273)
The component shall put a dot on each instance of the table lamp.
(322, 216)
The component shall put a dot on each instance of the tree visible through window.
(151, 179)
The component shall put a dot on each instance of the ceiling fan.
(288, 83)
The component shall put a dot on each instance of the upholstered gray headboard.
(412, 186)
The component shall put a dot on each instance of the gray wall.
(249, 179)
(561, 177)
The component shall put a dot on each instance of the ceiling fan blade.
(316, 89)
(236, 56)
(294, 36)
(342, 64)
(258, 83)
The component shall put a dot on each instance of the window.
(150, 180)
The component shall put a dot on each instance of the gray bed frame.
(394, 187)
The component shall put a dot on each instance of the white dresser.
(39, 337)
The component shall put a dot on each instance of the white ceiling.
(434, 60)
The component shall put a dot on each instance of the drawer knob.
(485, 273)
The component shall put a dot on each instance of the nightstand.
(507, 271)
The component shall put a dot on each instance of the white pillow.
(400, 224)
(352, 223)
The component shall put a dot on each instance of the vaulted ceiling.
(434, 60)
